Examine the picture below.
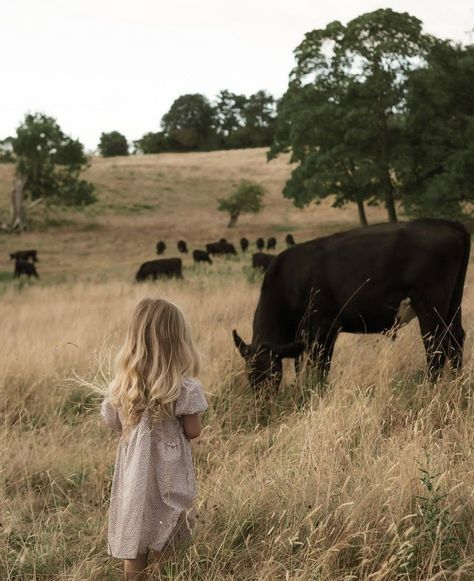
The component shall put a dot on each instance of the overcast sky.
(103, 65)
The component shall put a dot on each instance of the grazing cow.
(160, 247)
(262, 260)
(24, 267)
(271, 243)
(182, 247)
(244, 244)
(260, 244)
(359, 282)
(161, 267)
(218, 248)
(25, 255)
(201, 256)
(290, 241)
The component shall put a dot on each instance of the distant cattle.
(366, 280)
(262, 260)
(25, 255)
(201, 256)
(271, 243)
(260, 244)
(160, 247)
(220, 248)
(161, 267)
(244, 244)
(182, 247)
(24, 267)
(223, 241)
(290, 241)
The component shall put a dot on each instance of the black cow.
(244, 244)
(262, 260)
(271, 243)
(361, 281)
(24, 267)
(201, 256)
(219, 248)
(25, 255)
(290, 241)
(182, 247)
(160, 247)
(161, 267)
(260, 244)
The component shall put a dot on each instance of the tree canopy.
(247, 198)
(339, 116)
(113, 144)
(48, 166)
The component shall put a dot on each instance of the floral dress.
(153, 486)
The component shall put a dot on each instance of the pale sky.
(104, 65)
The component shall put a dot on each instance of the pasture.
(372, 478)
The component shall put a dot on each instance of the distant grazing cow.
(262, 260)
(223, 241)
(201, 256)
(290, 241)
(25, 255)
(161, 267)
(24, 267)
(366, 280)
(260, 244)
(219, 248)
(182, 247)
(244, 244)
(160, 247)
(271, 243)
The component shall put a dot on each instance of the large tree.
(189, 124)
(436, 170)
(352, 81)
(48, 167)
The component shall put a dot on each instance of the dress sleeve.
(110, 415)
(191, 400)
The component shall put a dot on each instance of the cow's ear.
(289, 350)
(240, 344)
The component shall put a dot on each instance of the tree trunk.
(389, 201)
(233, 219)
(362, 214)
(18, 220)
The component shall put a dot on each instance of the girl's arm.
(110, 415)
(192, 425)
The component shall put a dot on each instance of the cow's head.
(264, 360)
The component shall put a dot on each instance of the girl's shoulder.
(191, 399)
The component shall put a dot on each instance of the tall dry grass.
(369, 478)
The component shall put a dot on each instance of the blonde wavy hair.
(157, 353)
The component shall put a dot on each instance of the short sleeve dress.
(153, 487)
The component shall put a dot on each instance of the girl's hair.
(157, 353)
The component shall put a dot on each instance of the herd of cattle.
(169, 267)
(368, 280)
(173, 267)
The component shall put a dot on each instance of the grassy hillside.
(143, 199)
(371, 478)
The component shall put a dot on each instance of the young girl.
(155, 402)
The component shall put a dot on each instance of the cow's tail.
(455, 306)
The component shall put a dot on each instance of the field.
(369, 478)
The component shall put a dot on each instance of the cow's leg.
(432, 316)
(456, 341)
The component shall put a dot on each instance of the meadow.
(371, 477)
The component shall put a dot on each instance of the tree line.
(193, 123)
(376, 112)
